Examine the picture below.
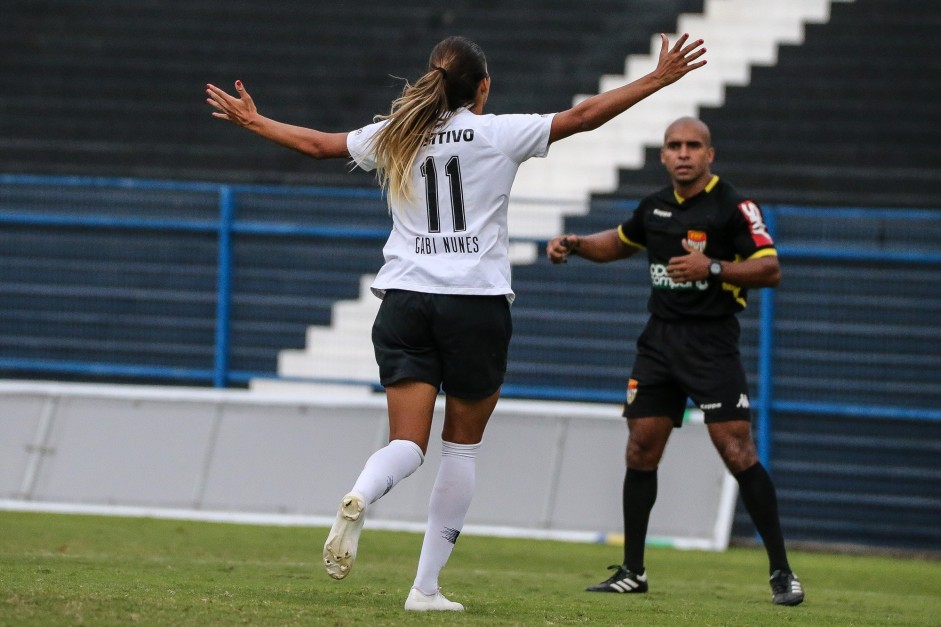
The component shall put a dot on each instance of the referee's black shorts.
(456, 342)
(688, 359)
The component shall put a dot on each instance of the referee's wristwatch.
(715, 268)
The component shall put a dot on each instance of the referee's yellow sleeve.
(624, 238)
(764, 252)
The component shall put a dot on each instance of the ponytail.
(455, 68)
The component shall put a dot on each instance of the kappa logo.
(743, 401)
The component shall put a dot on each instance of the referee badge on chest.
(696, 240)
(631, 390)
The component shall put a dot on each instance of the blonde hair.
(455, 68)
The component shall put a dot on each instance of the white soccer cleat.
(418, 602)
(339, 551)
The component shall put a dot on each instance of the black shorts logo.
(631, 391)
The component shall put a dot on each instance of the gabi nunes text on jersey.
(446, 244)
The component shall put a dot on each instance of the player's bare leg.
(411, 406)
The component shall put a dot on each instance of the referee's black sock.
(638, 497)
(761, 501)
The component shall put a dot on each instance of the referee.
(706, 244)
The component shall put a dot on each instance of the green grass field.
(89, 570)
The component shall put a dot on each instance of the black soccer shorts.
(689, 359)
(456, 342)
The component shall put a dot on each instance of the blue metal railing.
(224, 286)
(765, 363)
(226, 224)
(768, 404)
(224, 227)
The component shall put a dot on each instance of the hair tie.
(444, 72)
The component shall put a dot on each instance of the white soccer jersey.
(452, 238)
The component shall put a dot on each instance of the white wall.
(545, 469)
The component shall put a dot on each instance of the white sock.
(450, 500)
(386, 467)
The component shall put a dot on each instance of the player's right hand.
(240, 111)
(680, 59)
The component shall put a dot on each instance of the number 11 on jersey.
(452, 169)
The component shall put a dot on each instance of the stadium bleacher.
(105, 87)
(94, 87)
(845, 118)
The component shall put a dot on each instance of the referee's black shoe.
(622, 580)
(786, 589)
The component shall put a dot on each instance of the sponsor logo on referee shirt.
(631, 391)
(659, 279)
(696, 240)
(759, 232)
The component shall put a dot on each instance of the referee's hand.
(559, 248)
(692, 266)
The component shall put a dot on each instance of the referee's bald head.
(690, 123)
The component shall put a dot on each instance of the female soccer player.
(444, 322)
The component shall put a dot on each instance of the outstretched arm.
(599, 247)
(674, 63)
(242, 112)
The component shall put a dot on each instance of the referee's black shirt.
(721, 222)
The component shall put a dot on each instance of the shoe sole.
(625, 589)
(339, 552)
(428, 608)
(789, 602)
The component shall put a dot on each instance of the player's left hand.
(692, 266)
